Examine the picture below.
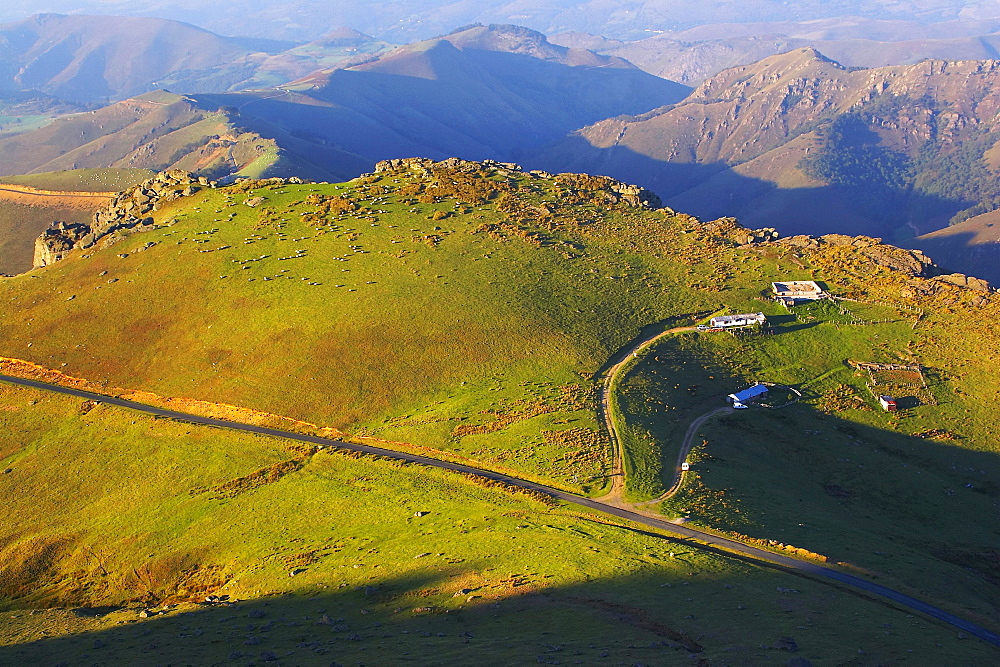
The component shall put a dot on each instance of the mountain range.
(897, 151)
(803, 144)
(483, 92)
(305, 20)
(104, 58)
(692, 55)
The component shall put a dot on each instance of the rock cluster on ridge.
(128, 210)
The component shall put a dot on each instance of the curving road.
(618, 362)
(703, 540)
(686, 445)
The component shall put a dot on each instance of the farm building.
(740, 399)
(888, 403)
(743, 320)
(790, 291)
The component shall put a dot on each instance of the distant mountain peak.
(343, 36)
(345, 32)
(796, 58)
(507, 38)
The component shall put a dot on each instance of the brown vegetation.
(31, 371)
(256, 479)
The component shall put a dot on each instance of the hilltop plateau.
(469, 312)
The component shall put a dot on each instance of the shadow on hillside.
(961, 254)
(675, 600)
(440, 103)
(714, 190)
(852, 491)
(682, 615)
(797, 326)
(904, 490)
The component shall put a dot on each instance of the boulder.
(786, 644)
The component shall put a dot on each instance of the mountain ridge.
(760, 141)
(432, 98)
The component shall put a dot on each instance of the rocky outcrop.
(57, 241)
(631, 195)
(963, 280)
(425, 166)
(128, 212)
(911, 263)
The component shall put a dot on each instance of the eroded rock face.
(128, 212)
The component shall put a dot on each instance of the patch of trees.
(945, 176)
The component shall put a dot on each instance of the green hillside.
(468, 308)
(390, 563)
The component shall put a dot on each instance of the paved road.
(788, 563)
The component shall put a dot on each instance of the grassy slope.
(108, 508)
(501, 331)
(835, 474)
(501, 325)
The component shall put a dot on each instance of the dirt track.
(27, 196)
(686, 445)
(621, 358)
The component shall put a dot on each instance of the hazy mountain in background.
(495, 92)
(102, 58)
(800, 143)
(691, 56)
(304, 20)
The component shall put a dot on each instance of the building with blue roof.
(740, 399)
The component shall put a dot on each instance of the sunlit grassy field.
(114, 517)
(398, 313)
(470, 310)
